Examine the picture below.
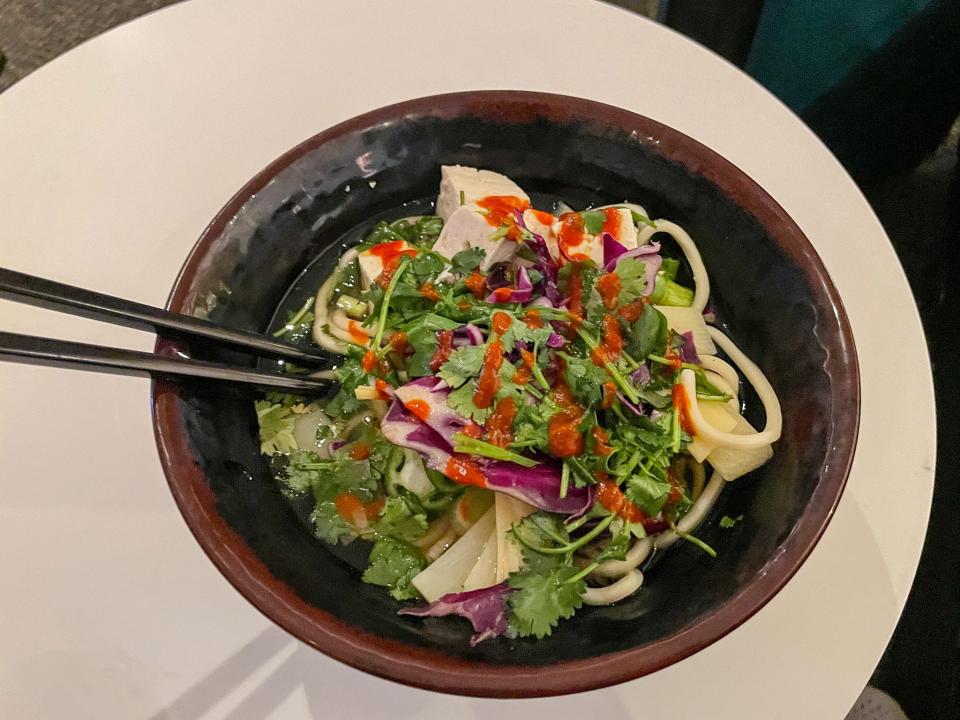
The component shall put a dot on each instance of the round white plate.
(112, 160)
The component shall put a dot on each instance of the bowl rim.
(430, 668)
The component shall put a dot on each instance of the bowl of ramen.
(592, 397)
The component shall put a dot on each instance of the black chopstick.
(53, 295)
(65, 353)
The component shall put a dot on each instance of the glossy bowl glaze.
(769, 287)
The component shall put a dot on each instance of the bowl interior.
(768, 288)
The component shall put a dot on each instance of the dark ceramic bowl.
(769, 287)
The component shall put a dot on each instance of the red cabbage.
(538, 486)
(467, 335)
(521, 294)
(612, 249)
(485, 608)
(545, 262)
(635, 409)
(432, 396)
(688, 351)
(640, 376)
(500, 276)
(555, 341)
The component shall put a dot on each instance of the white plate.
(112, 160)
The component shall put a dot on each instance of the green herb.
(695, 541)
(728, 522)
(584, 378)
(350, 376)
(464, 363)
(328, 525)
(402, 517)
(423, 232)
(668, 292)
(648, 333)
(633, 279)
(466, 261)
(648, 492)
(593, 221)
(277, 416)
(461, 402)
(639, 219)
(300, 323)
(393, 564)
(422, 338)
(464, 444)
(546, 590)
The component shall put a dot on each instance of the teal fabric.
(802, 48)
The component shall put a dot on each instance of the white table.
(113, 158)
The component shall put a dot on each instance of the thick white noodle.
(689, 522)
(771, 404)
(723, 369)
(624, 587)
(701, 280)
(325, 339)
(639, 209)
(635, 555)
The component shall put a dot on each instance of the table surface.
(117, 154)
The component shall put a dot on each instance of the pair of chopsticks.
(48, 294)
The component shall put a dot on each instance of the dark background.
(891, 120)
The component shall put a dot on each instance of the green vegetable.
(328, 525)
(546, 590)
(647, 334)
(276, 416)
(348, 281)
(464, 363)
(668, 292)
(402, 517)
(300, 324)
(393, 564)
(728, 522)
(356, 309)
(472, 446)
(466, 261)
(350, 376)
(422, 339)
(648, 492)
(461, 402)
(584, 378)
(593, 221)
(669, 268)
(423, 232)
(633, 279)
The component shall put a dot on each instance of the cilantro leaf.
(399, 520)
(277, 415)
(633, 279)
(466, 261)
(616, 548)
(350, 376)
(422, 338)
(393, 564)
(593, 221)
(647, 334)
(728, 522)
(461, 402)
(542, 597)
(584, 378)
(328, 525)
(648, 492)
(464, 363)
(423, 232)
(305, 470)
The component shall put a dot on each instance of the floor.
(921, 212)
